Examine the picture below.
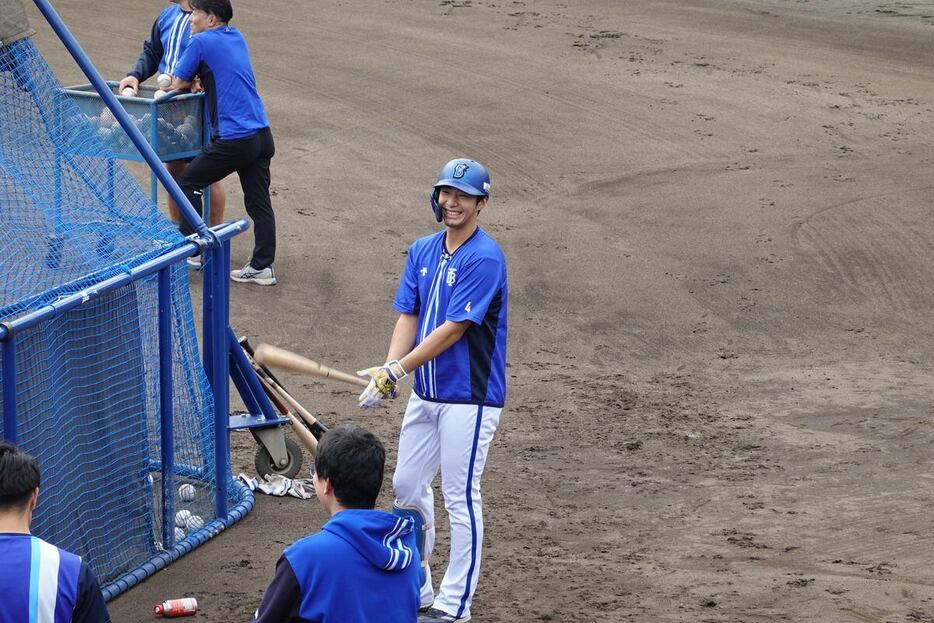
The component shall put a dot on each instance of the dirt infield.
(716, 216)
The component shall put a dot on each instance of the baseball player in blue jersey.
(39, 582)
(242, 139)
(362, 566)
(161, 52)
(451, 336)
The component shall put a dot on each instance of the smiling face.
(458, 209)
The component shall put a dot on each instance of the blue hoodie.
(362, 567)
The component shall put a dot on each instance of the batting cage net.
(87, 392)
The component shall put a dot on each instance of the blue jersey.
(167, 41)
(221, 58)
(363, 566)
(43, 584)
(469, 284)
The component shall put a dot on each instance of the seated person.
(38, 581)
(363, 566)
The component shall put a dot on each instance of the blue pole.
(207, 315)
(145, 149)
(218, 265)
(9, 389)
(154, 140)
(242, 364)
(166, 413)
(243, 387)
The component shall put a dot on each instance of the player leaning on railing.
(161, 52)
(242, 140)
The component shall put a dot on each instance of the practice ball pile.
(177, 130)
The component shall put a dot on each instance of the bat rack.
(276, 454)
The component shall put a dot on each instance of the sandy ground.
(716, 216)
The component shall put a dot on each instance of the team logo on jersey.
(460, 170)
(452, 276)
(423, 271)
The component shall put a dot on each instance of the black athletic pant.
(249, 157)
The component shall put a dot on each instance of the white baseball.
(179, 534)
(186, 492)
(164, 80)
(128, 92)
(182, 517)
(158, 94)
(195, 522)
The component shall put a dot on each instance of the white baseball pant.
(453, 438)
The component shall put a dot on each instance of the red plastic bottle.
(176, 607)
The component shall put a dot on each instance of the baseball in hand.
(128, 92)
(182, 517)
(194, 522)
(186, 492)
(164, 80)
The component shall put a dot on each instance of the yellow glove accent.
(383, 381)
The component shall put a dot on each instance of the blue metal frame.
(222, 354)
(66, 303)
(262, 412)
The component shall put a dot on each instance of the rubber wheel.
(265, 465)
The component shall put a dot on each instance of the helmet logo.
(460, 170)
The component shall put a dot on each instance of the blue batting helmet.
(465, 175)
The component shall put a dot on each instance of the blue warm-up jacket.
(363, 567)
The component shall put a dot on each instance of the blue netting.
(87, 390)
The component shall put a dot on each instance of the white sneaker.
(248, 274)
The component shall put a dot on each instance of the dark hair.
(19, 477)
(353, 460)
(220, 9)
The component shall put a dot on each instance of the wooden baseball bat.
(261, 371)
(304, 435)
(308, 435)
(267, 354)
